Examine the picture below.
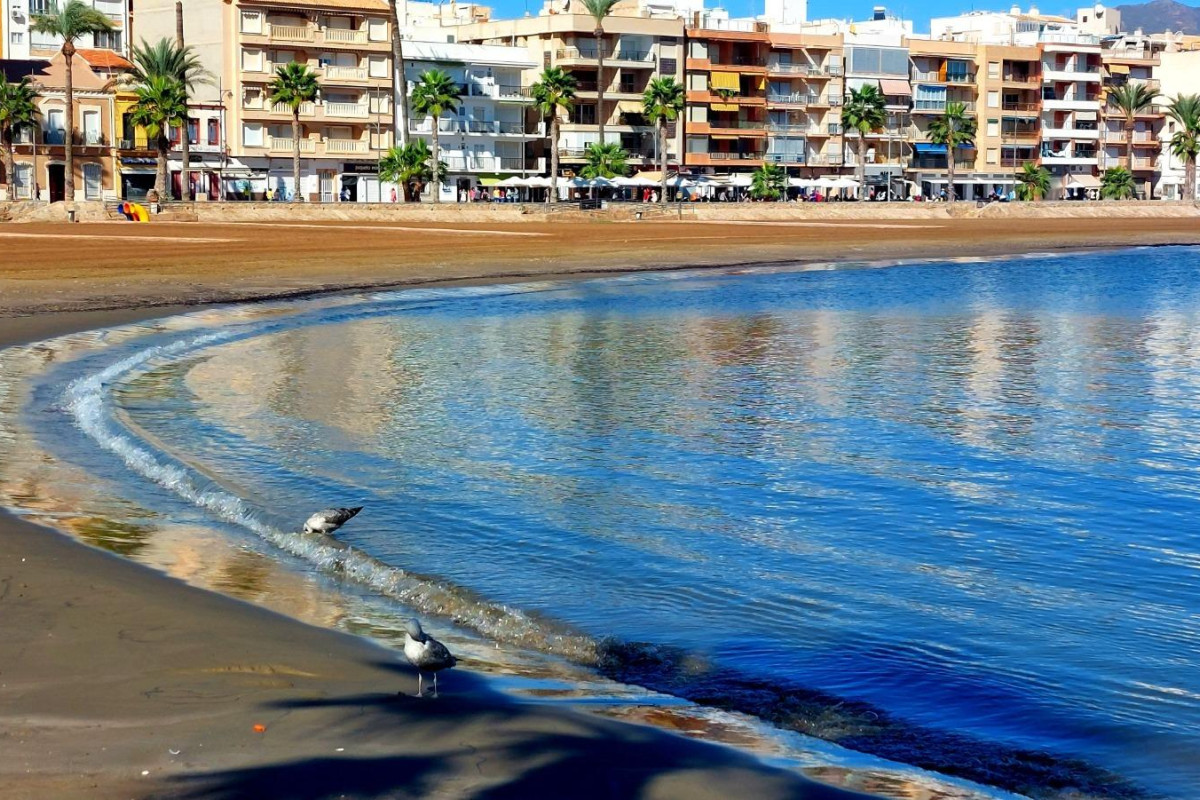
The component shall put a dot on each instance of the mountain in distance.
(1157, 16)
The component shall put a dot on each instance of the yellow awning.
(723, 106)
(1118, 69)
(724, 80)
(723, 137)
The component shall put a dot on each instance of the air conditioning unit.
(17, 14)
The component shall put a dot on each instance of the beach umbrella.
(636, 180)
(801, 183)
(538, 182)
(845, 183)
(514, 180)
(825, 183)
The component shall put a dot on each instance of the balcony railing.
(86, 138)
(834, 128)
(1022, 77)
(306, 109)
(486, 163)
(795, 98)
(737, 124)
(1033, 107)
(345, 146)
(781, 68)
(750, 156)
(451, 125)
(785, 158)
(513, 92)
(789, 127)
(344, 36)
(355, 110)
(283, 145)
(592, 54)
(949, 77)
(290, 33)
(732, 60)
(334, 72)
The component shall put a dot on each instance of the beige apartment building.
(637, 49)
(347, 43)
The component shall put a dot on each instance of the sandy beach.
(116, 681)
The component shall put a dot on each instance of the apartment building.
(638, 48)
(21, 42)
(39, 150)
(1179, 73)
(804, 90)
(1133, 59)
(244, 137)
(492, 133)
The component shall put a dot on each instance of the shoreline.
(177, 677)
(333, 684)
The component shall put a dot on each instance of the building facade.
(21, 42)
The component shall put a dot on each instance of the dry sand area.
(112, 265)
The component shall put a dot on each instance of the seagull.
(426, 654)
(330, 519)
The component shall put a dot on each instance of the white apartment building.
(487, 137)
(20, 42)
(1180, 74)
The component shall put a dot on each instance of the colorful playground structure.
(134, 212)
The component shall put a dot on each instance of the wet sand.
(116, 681)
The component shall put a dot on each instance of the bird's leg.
(435, 685)
(419, 692)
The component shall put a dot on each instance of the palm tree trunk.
(185, 183)
(401, 101)
(662, 134)
(553, 196)
(950, 172)
(599, 32)
(68, 51)
(163, 145)
(296, 154)
(1129, 143)
(1189, 178)
(862, 161)
(437, 179)
(9, 166)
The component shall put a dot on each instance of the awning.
(929, 149)
(724, 80)
(893, 86)
(723, 107)
(136, 160)
(1117, 69)
(723, 137)
(1083, 181)
(486, 180)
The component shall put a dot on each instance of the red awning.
(891, 86)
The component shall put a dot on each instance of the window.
(91, 181)
(668, 66)
(107, 40)
(173, 135)
(22, 175)
(193, 126)
(252, 134)
(91, 127)
(17, 37)
(697, 82)
(377, 30)
(23, 134)
(583, 114)
(993, 99)
(252, 60)
(214, 131)
(378, 67)
(252, 22)
(697, 144)
(993, 69)
(39, 6)
(993, 127)
(252, 98)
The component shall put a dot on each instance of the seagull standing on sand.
(330, 519)
(426, 654)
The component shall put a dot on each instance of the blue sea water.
(946, 513)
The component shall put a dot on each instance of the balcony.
(1022, 108)
(1050, 75)
(1072, 133)
(334, 72)
(621, 57)
(283, 109)
(287, 146)
(1022, 78)
(513, 93)
(344, 36)
(824, 160)
(486, 163)
(289, 33)
(785, 158)
(1072, 103)
(345, 146)
(793, 99)
(1064, 158)
(949, 77)
(475, 127)
(347, 110)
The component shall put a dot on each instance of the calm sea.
(945, 513)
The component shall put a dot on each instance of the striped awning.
(723, 106)
(725, 80)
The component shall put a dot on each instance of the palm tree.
(864, 113)
(1117, 184)
(604, 161)
(161, 105)
(663, 102)
(554, 92)
(17, 106)
(167, 58)
(294, 85)
(408, 165)
(75, 19)
(1034, 181)
(1130, 99)
(599, 9)
(401, 80)
(769, 182)
(1185, 143)
(435, 94)
(953, 130)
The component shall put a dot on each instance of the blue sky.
(918, 11)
